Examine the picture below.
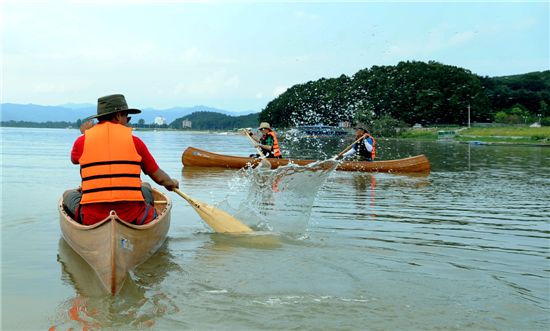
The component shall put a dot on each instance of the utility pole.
(468, 115)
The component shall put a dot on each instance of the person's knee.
(71, 200)
(147, 191)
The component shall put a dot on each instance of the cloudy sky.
(239, 55)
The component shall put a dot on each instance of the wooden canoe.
(113, 247)
(194, 157)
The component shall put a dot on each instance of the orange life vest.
(276, 150)
(110, 165)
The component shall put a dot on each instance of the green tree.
(412, 92)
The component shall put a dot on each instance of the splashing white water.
(280, 200)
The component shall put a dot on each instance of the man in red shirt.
(111, 160)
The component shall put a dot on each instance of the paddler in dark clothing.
(364, 150)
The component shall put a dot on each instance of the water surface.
(466, 247)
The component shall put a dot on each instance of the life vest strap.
(110, 176)
(108, 163)
(116, 188)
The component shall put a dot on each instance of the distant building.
(159, 120)
(186, 124)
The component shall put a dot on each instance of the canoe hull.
(113, 247)
(194, 157)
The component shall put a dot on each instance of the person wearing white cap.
(268, 142)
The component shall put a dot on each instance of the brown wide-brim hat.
(112, 104)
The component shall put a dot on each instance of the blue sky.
(239, 55)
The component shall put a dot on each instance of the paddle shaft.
(336, 157)
(185, 196)
(259, 149)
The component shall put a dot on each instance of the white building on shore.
(186, 124)
(159, 120)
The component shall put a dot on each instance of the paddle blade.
(219, 220)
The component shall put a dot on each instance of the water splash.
(280, 200)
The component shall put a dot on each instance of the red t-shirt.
(127, 210)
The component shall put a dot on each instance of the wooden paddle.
(217, 219)
(336, 157)
(264, 160)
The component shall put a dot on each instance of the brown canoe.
(194, 157)
(113, 247)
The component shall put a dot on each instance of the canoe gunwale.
(113, 216)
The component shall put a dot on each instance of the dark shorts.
(71, 199)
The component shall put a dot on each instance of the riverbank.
(489, 135)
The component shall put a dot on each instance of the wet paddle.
(264, 160)
(217, 219)
(336, 157)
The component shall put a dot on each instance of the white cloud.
(437, 40)
(73, 50)
(215, 84)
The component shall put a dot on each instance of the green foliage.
(517, 114)
(507, 131)
(386, 126)
(325, 101)
(206, 120)
(531, 90)
(411, 92)
(545, 121)
(420, 134)
(418, 92)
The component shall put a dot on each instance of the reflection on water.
(198, 173)
(137, 305)
(256, 240)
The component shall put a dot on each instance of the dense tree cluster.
(531, 90)
(411, 92)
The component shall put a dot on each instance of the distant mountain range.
(73, 112)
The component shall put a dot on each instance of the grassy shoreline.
(491, 135)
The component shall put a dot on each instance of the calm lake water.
(465, 248)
